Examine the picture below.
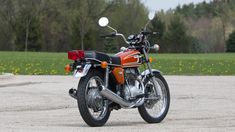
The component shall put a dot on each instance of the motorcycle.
(111, 82)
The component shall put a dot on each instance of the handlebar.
(150, 32)
(142, 33)
(113, 34)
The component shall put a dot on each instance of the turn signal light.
(150, 59)
(67, 68)
(76, 54)
(104, 64)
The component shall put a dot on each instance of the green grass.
(38, 63)
(195, 64)
(33, 63)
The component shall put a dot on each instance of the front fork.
(156, 90)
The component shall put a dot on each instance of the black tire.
(142, 109)
(82, 104)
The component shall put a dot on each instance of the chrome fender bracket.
(146, 72)
(79, 74)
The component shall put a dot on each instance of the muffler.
(115, 98)
(73, 93)
(111, 96)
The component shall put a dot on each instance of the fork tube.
(151, 73)
(148, 64)
(107, 77)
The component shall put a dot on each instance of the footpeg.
(141, 96)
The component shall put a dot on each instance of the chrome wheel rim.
(159, 105)
(93, 85)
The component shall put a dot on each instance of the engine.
(133, 86)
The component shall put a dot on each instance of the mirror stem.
(145, 27)
(112, 29)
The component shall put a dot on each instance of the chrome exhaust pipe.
(73, 93)
(115, 98)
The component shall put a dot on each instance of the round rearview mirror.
(156, 47)
(151, 15)
(103, 21)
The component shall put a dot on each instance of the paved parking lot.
(42, 103)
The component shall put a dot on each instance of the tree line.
(62, 25)
(203, 27)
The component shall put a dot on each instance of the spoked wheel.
(155, 108)
(92, 106)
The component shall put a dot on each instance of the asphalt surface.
(42, 103)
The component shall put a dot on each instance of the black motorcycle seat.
(115, 60)
(103, 57)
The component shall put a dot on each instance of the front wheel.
(93, 107)
(155, 108)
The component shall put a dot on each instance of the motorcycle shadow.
(123, 123)
(108, 124)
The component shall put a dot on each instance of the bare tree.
(85, 14)
(29, 9)
(84, 21)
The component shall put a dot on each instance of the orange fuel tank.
(130, 58)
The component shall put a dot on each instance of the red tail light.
(75, 54)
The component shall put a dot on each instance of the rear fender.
(81, 72)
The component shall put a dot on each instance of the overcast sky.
(156, 5)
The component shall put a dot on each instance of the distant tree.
(195, 46)
(176, 39)
(109, 47)
(8, 18)
(157, 25)
(222, 9)
(28, 37)
(188, 10)
(84, 16)
(83, 20)
(231, 43)
(203, 9)
(55, 23)
(29, 12)
(128, 17)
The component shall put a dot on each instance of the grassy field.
(33, 63)
(37, 63)
(195, 64)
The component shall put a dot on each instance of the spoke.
(159, 106)
(93, 84)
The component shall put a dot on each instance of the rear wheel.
(155, 108)
(93, 107)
